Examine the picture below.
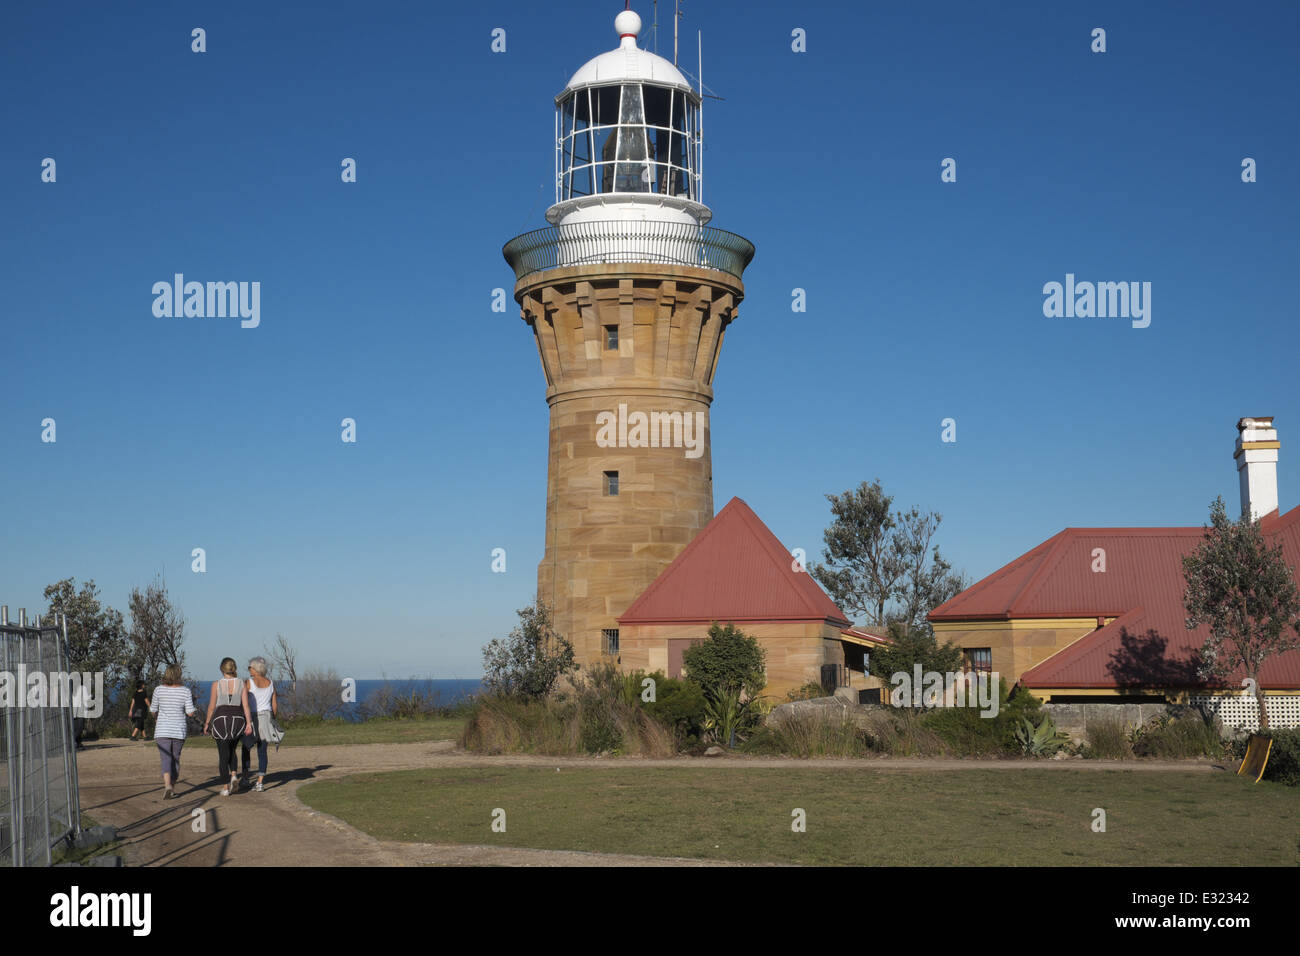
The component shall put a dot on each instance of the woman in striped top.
(172, 702)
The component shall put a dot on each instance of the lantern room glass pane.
(632, 172)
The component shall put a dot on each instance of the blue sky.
(924, 299)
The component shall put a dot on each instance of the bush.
(407, 702)
(1284, 758)
(806, 692)
(901, 732)
(595, 719)
(530, 661)
(969, 734)
(911, 646)
(317, 693)
(678, 706)
(728, 661)
(811, 734)
(964, 731)
(1040, 739)
(1170, 736)
(503, 724)
(1107, 739)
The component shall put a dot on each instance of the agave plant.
(1040, 741)
(726, 714)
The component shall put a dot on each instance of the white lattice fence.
(1243, 712)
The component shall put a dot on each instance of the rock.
(95, 836)
(715, 751)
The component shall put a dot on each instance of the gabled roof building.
(1097, 613)
(736, 571)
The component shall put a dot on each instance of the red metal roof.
(1148, 643)
(876, 634)
(733, 570)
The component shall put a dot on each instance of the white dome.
(627, 23)
(628, 62)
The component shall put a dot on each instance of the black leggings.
(226, 756)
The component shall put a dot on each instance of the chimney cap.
(1258, 421)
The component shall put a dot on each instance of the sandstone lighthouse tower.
(628, 294)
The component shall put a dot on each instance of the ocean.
(447, 691)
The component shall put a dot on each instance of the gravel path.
(121, 786)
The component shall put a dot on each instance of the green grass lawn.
(856, 817)
(377, 731)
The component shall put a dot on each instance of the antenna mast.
(699, 66)
(677, 15)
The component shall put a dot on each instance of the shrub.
(968, 733)
(1018, 704)
(1041, 739)
(901, 732)
(1107, 739)
(599, 730)
(317, 693)
(1284, 759)
(821, 733)
(1185, 734)
(595, 719)
(729, 717)
(503, 724)
(678, 706)
(806, 692)
(911, 646)
(728, 661)
(409, 701)
(530, 661)
(964, 731)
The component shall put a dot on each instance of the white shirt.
(262, 695)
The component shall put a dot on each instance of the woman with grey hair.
(261, 695)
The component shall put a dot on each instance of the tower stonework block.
(603, 549)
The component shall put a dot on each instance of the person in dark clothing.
(228, 720)
(139, 707)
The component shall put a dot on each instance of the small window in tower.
(609, 640)
(611, 483)
(611, 336)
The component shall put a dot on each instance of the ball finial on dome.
(627, 24)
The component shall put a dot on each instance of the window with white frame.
(628, 138)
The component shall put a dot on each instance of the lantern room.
(628, 139)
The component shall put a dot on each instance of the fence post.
(18, 741)
(69, 743)
(45, 748)
(12, 751)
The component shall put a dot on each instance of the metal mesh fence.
(39, 804)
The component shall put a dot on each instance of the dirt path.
(121, 786)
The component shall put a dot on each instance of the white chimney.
(1256, 456)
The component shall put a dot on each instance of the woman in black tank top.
(228, 720)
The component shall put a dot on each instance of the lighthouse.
(628, 293)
